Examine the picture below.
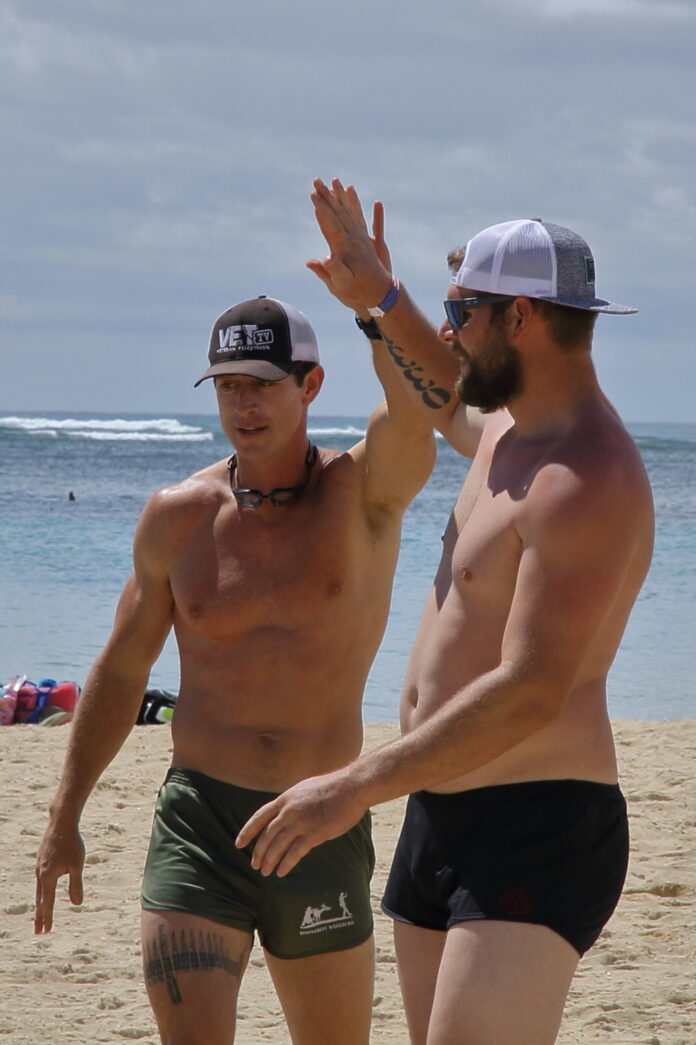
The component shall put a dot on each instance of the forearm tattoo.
(166, 956)
(431, 395)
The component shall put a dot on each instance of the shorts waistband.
(194, 778)
(526, 790)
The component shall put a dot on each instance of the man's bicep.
(145, 609)
(142, 622)
(397, 459)
(463, 429)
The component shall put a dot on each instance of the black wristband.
(369, 328)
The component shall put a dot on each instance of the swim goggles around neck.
(280, 496)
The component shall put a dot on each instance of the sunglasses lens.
(456, 314)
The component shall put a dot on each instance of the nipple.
(465, 573)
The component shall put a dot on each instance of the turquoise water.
(63, 563)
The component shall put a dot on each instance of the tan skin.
(547, 547)
(277, 613)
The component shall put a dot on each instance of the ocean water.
(63, 562)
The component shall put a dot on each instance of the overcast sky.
(157, 158)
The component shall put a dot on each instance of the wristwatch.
(369, 329)
(388, 302)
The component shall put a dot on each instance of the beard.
(494, 378)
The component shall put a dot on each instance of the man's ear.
(312, 383)
(520, 315)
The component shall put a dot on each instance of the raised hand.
(357, 270)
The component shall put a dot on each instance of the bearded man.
(515, 842)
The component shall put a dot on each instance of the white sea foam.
(348, 430)
(144, 437)
(164, 428)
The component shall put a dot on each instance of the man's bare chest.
(246, 573)
(481, 545)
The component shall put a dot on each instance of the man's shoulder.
(341, 481)
(174, 511)
(339, 465)
(198, 491)
(350, 489)
(601, 451)
(594, 476)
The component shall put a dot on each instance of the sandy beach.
(83, 982)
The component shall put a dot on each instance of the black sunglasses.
(458, 310)
(279, 496)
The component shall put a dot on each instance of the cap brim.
(262, 368)
(591, 305)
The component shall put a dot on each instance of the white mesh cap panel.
(514, 257)
(529, 255)
(304, 342)
(531, 258)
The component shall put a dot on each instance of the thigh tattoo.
(173, 953)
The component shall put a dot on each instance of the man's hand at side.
(61, 852)
(304, 816)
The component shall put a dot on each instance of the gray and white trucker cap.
(532, 258)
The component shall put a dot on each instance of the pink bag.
(8, 700)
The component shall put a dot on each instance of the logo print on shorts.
(516, 903)
(315, 922)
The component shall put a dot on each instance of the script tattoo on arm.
(164, 958)
(432, 396)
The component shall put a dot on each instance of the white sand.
(83, 983)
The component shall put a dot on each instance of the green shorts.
(192, 865)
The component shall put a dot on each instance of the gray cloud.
(158, 161)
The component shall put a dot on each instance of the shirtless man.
(275, 570)
(514, 846)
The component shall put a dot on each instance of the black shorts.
(193, 866)
(552, 852)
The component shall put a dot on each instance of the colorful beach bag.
(38, 702)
